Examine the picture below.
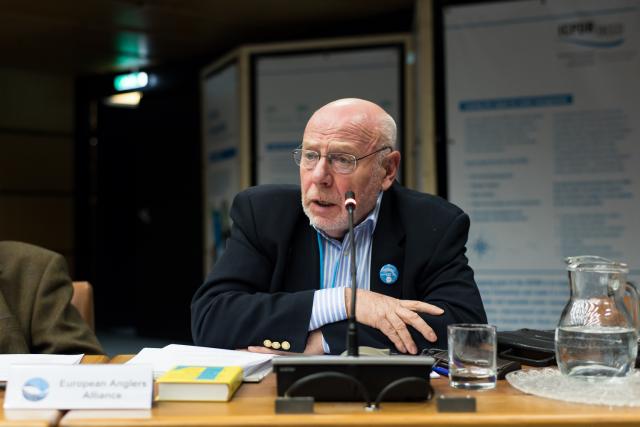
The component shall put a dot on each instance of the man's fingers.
(258, 349)
(391, 316)
(421, 307)
(413, 319)
(401, 329)
(265, 350)
(388, 329)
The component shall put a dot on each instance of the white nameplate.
(79, 387)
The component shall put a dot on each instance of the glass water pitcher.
(598, 330)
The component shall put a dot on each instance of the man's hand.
(391, 316)
(314, 343)
(314, 346)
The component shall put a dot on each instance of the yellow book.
(204, 383)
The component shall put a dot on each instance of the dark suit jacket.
(36, 315)
(263, 285)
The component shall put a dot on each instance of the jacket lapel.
(303, 258)
(388, 247)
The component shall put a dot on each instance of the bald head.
(355, 119)
(355, 133)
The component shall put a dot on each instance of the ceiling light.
(127, 100)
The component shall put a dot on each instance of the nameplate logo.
(79, 387)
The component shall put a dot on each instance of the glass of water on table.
(472, 356)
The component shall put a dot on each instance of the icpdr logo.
(35, 389)
(589, 33)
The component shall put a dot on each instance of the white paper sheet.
(254, 365)
(7, 360)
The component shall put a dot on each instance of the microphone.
(302, 379)
(352, 331)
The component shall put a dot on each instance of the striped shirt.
(335, 271)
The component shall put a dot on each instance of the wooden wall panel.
(36, 159)
(35, 101)
(36, 163)
(43, 221)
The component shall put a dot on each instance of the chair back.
(82, 300)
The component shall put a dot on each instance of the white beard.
(340, 224)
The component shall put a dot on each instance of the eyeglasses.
(341, 163)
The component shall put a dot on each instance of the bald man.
(283, 283)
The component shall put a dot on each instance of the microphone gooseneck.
(352, 331)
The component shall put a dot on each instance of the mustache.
(322, 198)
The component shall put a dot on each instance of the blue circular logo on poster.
(35, 389)
(389, 274)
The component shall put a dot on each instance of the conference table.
(253, 405)
(38, 417)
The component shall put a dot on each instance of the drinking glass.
(472, 356)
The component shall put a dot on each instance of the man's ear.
(391, 163)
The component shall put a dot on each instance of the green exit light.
(130, 81)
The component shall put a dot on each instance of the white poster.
(221, 126)
(543, 145)
(290, 87)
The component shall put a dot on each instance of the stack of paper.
(255, 366)
(7, 360)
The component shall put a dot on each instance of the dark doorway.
(139, 208)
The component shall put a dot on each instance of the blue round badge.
(389, 274)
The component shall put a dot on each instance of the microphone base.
(374, 372)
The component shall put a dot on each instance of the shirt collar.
(368, 224)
